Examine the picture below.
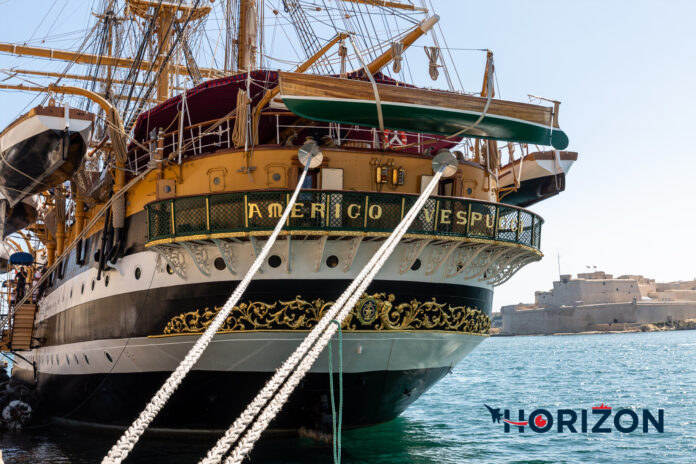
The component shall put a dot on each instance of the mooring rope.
(320, 335)
(336, 424)
(131, 436)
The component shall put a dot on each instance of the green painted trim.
(228, 215)
(429, 120)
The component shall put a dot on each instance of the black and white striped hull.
(105, 349)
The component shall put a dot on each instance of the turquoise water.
(449, 424)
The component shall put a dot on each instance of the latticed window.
(317, 210)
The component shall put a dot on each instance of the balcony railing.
(340, 213)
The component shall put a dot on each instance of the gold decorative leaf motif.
(372, 312)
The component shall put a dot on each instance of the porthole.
(416, 265)
(216, 180)
(219, 263)
(274, 261)
(71, 293)
(92, 284)
(76, 360)
(67, 358)
(170, 271)
(469, 191)
(106, 281)
(108, 356)
(332, 261)
(276, 177)
(86, 358)
(137, 273)
(82, 289)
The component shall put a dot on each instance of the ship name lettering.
(475, 217)
(297, 210)
(275, 210)
(254, 209)
(461, 218)
(350, 209)
(450, 216)
(317, 208)
(375, 212)
(445, 216)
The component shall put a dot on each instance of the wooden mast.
(246, 38)
(165, 25)
(86, 58)
(388, 4)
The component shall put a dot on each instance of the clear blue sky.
(625, 72)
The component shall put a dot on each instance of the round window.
(274, 261)
(416, 265)
(219, 263)
(138, 272)
(332, 261)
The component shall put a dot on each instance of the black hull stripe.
(210, 401)
(146, 313)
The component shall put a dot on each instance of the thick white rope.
(338, 311)
(131, 436)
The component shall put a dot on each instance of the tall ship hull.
(235, 209)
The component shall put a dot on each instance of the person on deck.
(35, 294)
(21, 280)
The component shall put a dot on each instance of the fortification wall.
(674, 295)
(584, 318)
(588, 292)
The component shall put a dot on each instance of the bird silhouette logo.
(496, 415)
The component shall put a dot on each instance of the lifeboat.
(541, 175)
(19, 216)
(42, 149)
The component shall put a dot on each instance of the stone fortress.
(599, 302)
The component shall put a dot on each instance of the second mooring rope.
(131, 436)
(336, 425)
(316, 340)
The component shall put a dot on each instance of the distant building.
(598, 301)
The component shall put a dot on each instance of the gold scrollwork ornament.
(372, 312)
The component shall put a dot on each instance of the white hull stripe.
(254, 352)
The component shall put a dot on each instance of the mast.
(168, 13)
(164, 29)
(86, 58)
(246, 39)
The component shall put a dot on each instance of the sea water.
(449, 424)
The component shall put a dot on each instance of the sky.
(625, 72)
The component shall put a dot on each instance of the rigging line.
(58, 16)
(444, 40)
(128, 111)
(365, 31)
(213, 64)
(53, 4)
(134, 71)
(165, 61)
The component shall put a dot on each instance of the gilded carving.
(372, 312)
